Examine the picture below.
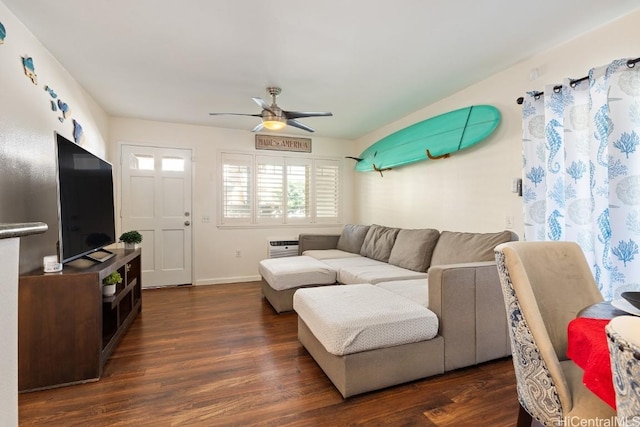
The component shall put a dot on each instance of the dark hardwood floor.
(219, 355)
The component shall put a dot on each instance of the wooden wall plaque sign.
(283, 143)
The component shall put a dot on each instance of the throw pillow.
(378, 242)
(413, 249)
(352, 237)
(457, 247)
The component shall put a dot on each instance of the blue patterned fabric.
(581, 171)
(625, 367)
(537, 392)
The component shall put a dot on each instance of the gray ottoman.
(366, 338)
(281, 277)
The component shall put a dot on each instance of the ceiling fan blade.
(301, 114)
(273, 112)
(299, 125)
(262, 104)
(235, 114)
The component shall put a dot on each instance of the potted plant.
(131, 239)
(109, 284)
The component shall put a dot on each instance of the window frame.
(253, 160)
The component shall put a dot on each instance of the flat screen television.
(85, 203)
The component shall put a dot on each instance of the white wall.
(9, 249)
(27, 125)
(470, 191)
(215, 248)
(27, 174)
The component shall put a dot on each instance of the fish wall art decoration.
(29, 69)
(64, 109)
(50, 91)
(59, 107)
(78, 133)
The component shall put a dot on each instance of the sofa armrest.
(308, 242)
(467, 298)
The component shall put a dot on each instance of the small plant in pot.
(109, 284)
(131, 239)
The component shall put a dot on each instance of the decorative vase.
(108, 290)
(130, 246)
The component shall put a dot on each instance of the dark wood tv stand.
(66, 329)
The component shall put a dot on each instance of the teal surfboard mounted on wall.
(432, 138)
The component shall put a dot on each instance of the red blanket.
(587, 347)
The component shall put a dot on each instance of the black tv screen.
(86, 208)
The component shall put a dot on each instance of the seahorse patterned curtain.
(581, 171)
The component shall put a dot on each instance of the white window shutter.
(236, 188)
(269, 189)
(327, 190)
(299, 194)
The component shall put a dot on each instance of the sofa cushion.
(416, 290)
(376, 273)
(352, 319)
(323, 254)
(378, 242)
(457, 247)
(351, 262)
(295, 271)
(352, 237)
(413, 249)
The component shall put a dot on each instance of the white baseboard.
(222, 280)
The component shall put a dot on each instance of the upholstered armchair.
(624, 345)
(545, 285)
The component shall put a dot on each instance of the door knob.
(187, 223)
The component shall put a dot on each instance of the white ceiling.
(370, 62)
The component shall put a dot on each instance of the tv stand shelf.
(115, 299)
(67, 329)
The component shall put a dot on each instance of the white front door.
(156, 201)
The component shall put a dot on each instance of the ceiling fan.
(274, 117)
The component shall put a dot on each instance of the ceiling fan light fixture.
(274, 124)
(275, 118)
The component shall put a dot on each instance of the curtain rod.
(630, 63)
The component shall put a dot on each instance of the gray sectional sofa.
(373, 254)
(452, 274)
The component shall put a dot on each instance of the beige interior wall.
(214, 248)
(27, 174)
(27, 125)
(9, 249)
(471, 190)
